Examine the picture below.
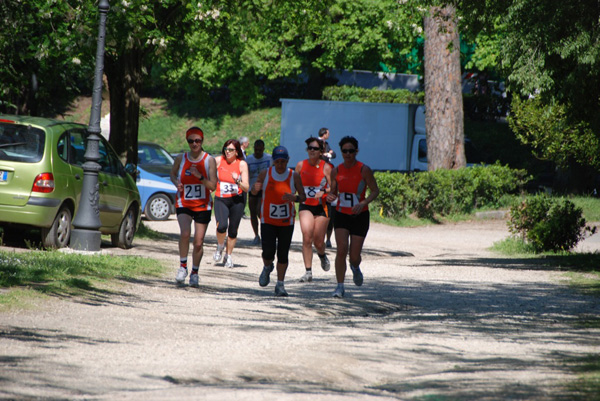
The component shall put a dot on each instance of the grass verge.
(30, 274)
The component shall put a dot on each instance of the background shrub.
(548, 224)
(374, 95)
(446, 192)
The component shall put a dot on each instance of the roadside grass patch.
(56, 273)
(146, 232)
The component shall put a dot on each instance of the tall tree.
(444, 118)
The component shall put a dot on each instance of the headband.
(194, 130)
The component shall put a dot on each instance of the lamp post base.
(85, 240)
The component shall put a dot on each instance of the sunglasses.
(351, 151)
(197, 140)
(229, 150)
(313, 148)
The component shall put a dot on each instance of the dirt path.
(439, 317)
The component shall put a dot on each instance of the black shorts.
(357, 224)
(258, 194)
(276, 239)
(202, 217)
(316, 210)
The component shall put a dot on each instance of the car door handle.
(77, 177)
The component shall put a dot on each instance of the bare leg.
(307, 225)
(341, 239)
(185, 228)
(200, 232)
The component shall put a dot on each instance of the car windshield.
(21, 143)
(153, 154)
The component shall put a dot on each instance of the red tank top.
(226, 185)
(313, 180)
(351, 187)
(194, 196)
(275, 210)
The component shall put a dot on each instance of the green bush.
(548, 224)
(374, 95)
(446, 192)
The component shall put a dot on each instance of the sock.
(340, 285)
(309, 269)
(195, 269)
(269, 268)
(183, 262)
(279, 283)
(220, 246)
(354, 268)
(321, 256)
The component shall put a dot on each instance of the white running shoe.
(218, 255)
(339, 292)
(194, 280)
(357, 275)
(265, 276)
(280, 290)
(181, 274)
(228, 261)
(307, 278)
(325, 265)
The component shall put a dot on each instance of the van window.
(422, 150)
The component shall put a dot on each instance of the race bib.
(346, 199)
(194, 192)
(228, 188)
(280, 212)
(313, 192)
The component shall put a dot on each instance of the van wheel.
(59, 233)
(158, 207)
(124, 238)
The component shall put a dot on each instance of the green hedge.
(356, 94)
(446, 192)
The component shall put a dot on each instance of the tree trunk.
(124, 76)
(444, 119)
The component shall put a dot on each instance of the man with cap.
(281, 188)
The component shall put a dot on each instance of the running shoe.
(328, 244)
(325, 265)
(194, 280)
(218, 255)
(181, 274)
(307, 278)
(228, 261)
(256, 240)
(265, 276)
(357, 275)
(339, 292)
(280, 290)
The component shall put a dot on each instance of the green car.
(41, 177)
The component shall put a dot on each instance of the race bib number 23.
(281, 211)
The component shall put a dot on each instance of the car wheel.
(59, 233)
(124, 238)
(158, 207)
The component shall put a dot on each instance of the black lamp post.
(86, 235)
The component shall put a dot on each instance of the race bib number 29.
(193, 192)
(281, 211)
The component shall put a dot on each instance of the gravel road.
(438, 317)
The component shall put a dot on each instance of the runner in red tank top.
(195, 175)
(349, 182)
(232, 181)
(281, 188)
(314, 212)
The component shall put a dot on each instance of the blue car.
(157, 192)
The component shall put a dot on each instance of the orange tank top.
(194, 196)
(351, 187)
(226, 185)
(314, 181)
(275, 210)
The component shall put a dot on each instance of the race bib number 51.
(281, 211)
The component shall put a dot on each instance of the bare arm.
(174, 172)
(210, 182)
(367, 175)
(333, 190)
(259, 182)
